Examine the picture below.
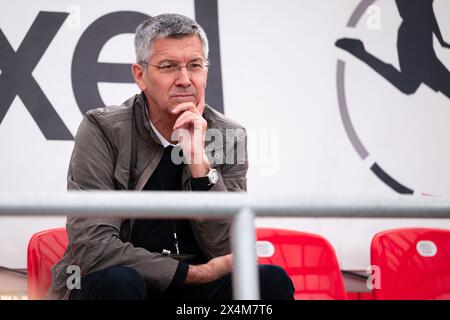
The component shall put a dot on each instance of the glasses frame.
(206, 66)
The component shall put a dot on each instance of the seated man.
(137, 146)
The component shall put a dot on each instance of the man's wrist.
(201, 169)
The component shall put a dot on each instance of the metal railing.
(240, 207)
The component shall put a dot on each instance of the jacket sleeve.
(94, 243)
(233, 176)
(214, 235)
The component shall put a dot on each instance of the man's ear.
(138, 75)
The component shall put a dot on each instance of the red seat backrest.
(309, 260)
(414, 263)
(44, 250)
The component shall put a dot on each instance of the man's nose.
(183, 78)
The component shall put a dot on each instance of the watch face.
(213, 176)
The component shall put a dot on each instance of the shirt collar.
(163, 140)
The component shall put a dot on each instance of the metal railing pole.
(245, 269)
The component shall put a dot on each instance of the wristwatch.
(211, 178)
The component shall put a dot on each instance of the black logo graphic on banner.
(17, 67)
(87, 72)
(418, 61)
(418, 64)
(16, 77)
(206, 15)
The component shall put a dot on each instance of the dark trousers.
(125, 283)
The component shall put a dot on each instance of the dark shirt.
(156, 235)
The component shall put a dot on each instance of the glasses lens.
(169, 68)
(195, 66)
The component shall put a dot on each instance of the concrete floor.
(13, 285)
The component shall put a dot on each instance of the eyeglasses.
(171, 68)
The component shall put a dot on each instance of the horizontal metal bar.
(219, 205)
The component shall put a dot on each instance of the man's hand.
(190, 131)
(214, 269)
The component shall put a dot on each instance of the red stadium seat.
(44, 250)
(309, 260)
(414, 263)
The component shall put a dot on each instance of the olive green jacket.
(116, 145)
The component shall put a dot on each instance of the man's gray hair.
(165, 26)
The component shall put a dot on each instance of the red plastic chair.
(44, 250)
(308, 259)
(414, 263)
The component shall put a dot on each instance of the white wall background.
(279, 80)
